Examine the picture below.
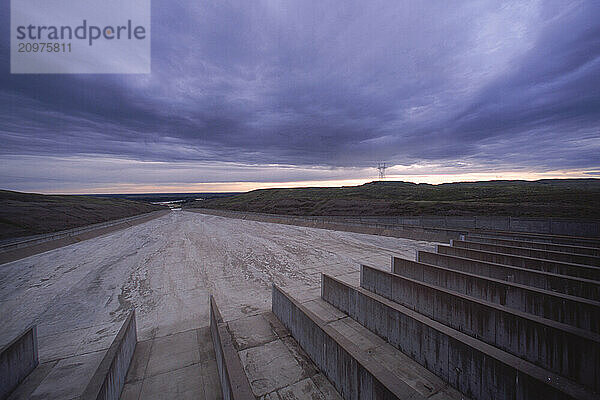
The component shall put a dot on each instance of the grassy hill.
(24, 214)
(567, 198)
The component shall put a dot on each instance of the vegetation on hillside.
(24, 214)
(567, 198)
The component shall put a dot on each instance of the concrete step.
(18, 359)
(578, 287)
(96, 370)
(564, 248)
(357, 362)
(179, 365)
(555, 239)
(556, 267)
(234, 383)
(529, 252)
(562, 349)
(575, 311)
(475, 368)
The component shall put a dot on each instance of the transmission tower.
(381, 168)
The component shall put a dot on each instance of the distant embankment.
(560, 198)
(27, 214)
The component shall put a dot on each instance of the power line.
(381, 167)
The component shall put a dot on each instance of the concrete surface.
(563, 349)
(177, 366)
(17, 359)
(343, 225)
(579, 287)
(529, 252)
(533, 226)
(554, 239)
(477, 369)
(234, 382)
(576, 311)
(360, 364)
(109, 379)
(79, 295)
(540, 264)
(591, 251)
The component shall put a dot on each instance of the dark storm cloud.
(332, 83)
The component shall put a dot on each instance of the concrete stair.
(554, 346)
(580, 312)
(525, 251)
(360, 364)
(539, 238)
(575, 286)
(540, 264)
(491, 324)
(564, 248)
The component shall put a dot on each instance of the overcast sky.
(247, 94)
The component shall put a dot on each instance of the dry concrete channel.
(79, 296)
(299, 312)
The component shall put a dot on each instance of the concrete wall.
(477, 369)
(574, 286)
(18, 250)
(556, 267)
(17, 359)
(109, 378)
(565, 240)
(354, 376)
(529, 252)
(590, 251)
(234, 383)
(551, 226)
(562, 349)
(337, 224)
(575, 311)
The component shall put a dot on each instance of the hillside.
(568, 198)
(24, 214)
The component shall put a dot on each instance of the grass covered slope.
(24, 214)
(567, 198)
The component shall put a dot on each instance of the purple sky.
(271, 93)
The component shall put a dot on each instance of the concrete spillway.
(465, 320)
(452, 324)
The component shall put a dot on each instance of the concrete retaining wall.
(477, 369)
(590, 251)
(353, 375)
(555, 267)
(561, 240)
(549, 226)
(528, 252)
(557, 347)
(331, 223)
(109, 378)
(234, 383)
(17, 359)
(573, 286)
(575, 311)
(18, 250)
